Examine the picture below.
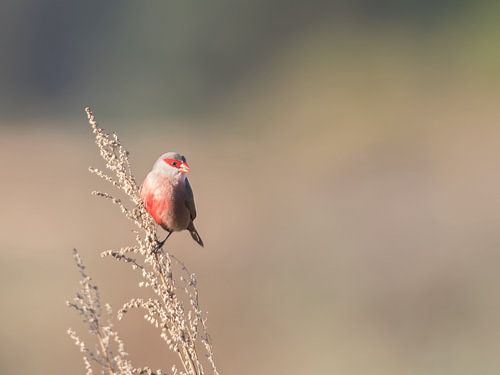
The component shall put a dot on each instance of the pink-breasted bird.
(168, 197)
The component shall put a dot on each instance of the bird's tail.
(196, 236)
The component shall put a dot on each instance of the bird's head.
(172, 164)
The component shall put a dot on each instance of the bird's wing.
(190, 200)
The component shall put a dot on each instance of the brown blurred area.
(347, 193)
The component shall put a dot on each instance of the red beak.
(184, 168)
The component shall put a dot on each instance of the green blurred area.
(183, 57)
(344, 161)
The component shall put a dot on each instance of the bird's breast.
(165, 201)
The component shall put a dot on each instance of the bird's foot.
(159, 244)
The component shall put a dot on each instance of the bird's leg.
(166, 238)
(161, 243)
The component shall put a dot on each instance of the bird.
(168, 197)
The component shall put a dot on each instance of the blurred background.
(345, 162)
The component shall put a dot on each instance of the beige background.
(348, 196)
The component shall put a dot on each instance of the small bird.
(168, 197)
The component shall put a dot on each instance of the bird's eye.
(174, 164)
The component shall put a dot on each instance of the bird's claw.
(159, 244)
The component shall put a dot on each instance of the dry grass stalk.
(175, 310)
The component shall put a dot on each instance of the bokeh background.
(345, 160)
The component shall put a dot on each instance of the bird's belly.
(174, 216)
(166, 204)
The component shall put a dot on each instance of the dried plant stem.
(185, 356)
(181, 324)
(105, 352)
